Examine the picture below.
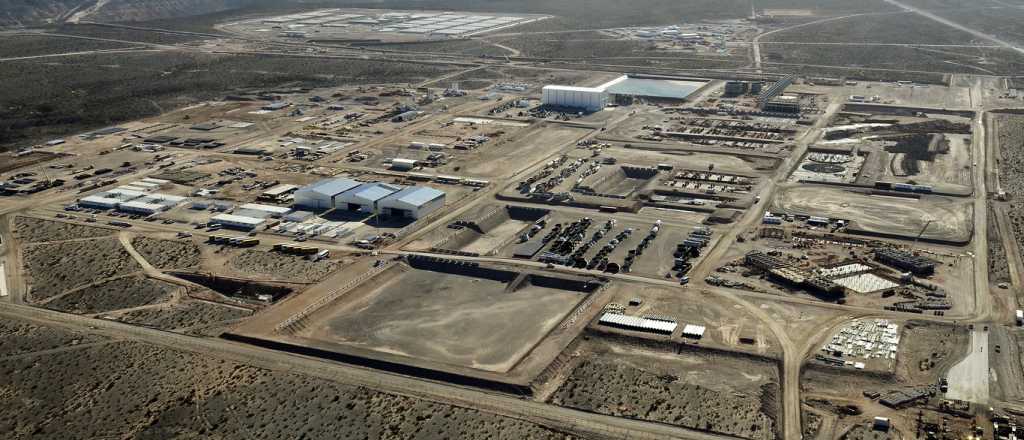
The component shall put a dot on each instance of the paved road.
(501, 404)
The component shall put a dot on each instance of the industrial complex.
(526, 246)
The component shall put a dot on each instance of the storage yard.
(506, 244)
(392, 26)
(948, 219)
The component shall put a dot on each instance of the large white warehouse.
(323, 194)
(385, 199)
(590, 99)
(365, 197)
(413, 202)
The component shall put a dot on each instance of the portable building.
(237, 221)
(400, 164)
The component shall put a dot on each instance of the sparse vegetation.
(45, 99)
(168, 254)
(55, 268)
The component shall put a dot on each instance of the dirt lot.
(699, 390)
(951, 218)
(55, 268)
(927, 351)
(527, 146)
(120, 293)
(414, 312)
(140, 391)
(278, 266)
(37, 230)
(168, 254)
(726, 322)
(182, 315)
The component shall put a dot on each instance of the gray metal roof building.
(413, 202)
(323, 194)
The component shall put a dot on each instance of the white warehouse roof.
(122, 194)
(330, 187)
(371, 192)
(136, 206)
(694, 331)
(278, 210)
(236, 220)
(412, 197)
(638, 323)
(573, 89)
(104, 202)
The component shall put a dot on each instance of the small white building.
(279, 192)
(881, 424)
(589, 99)
(141, 207)
(400, 164)
(110, 199)
(237, 221)
(413, 202)
(265, 210)
(98, 202)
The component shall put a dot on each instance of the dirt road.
(956, 26)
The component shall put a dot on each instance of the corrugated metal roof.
(415, 195)
(694, 331)
(266, 208)
(331, 187)
(373, 192)
(573, 89)
(237, 219)
(637, 323)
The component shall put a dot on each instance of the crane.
(919, 234)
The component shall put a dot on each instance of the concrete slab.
(968, 380)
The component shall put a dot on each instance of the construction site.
(538, 251)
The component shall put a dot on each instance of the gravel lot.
(277, 266)
(58, 267)
(168, 254)
(120, 293)
(36, 230)
(131, 390)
